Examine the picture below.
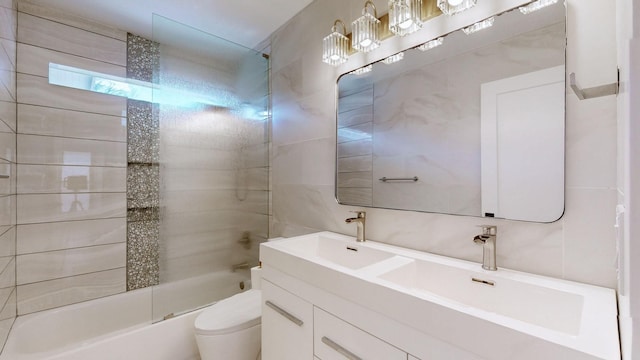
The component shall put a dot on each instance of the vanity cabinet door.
(335, 339)
(287, 325)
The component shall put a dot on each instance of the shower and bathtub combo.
(121, 327)
(150, 205)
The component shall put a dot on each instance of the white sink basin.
(535, 304)
(438, 296)
(335, 250)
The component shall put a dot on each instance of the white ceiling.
(246, 22)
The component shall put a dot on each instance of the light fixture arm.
(334, 28)
(373, 6)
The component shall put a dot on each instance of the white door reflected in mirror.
(522, 142)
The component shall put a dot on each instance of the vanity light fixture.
(536, 5)
(405, 16)
(335, 46)
(362, 70)
(480, 25)
(365, 35)
(394, 58)
(431, 44)
(452, 7)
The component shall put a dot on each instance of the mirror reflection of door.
(522, 142)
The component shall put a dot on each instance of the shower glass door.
(211, 114)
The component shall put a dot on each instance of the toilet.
(230, 328)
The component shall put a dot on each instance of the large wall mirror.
(473, 127)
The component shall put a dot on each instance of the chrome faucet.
(488, 241)
(360, 220)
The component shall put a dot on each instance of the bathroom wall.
(8, 23)
(72, 158)
(580, 246)
(628, 23)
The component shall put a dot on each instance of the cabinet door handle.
(335, 346)
(284, 313)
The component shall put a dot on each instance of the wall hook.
(592, 92)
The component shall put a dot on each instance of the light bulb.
(405, 25)
(335, 46)
(365, 35)
(405, 16)
(452, 7)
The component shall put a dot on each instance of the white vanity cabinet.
(287, 325)
(334, 339)
(293, 328)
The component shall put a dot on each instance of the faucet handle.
(489, 229)
(359, 213)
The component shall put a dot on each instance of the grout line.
(73, 27)
(70, 248)
(77, 19)
(71, 276)
(19, 104)
(60, 221)
(15, 290)
(66, 137)
(71, 165)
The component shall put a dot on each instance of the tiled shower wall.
(82, 172)
(580, 246)
(214, 180)
(8, 21)
(72, 157)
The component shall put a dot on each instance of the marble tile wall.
(72, 158)
(8, 171)
(580, 246)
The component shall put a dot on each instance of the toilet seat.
(232, 314)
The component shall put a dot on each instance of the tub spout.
(244, 265)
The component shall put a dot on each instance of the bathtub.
(120, 326)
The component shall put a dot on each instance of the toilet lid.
(238, 312)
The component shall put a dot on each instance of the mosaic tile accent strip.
(143, 173)
(143, 182)
(143, 137)
(142, 57)
(142, 254)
